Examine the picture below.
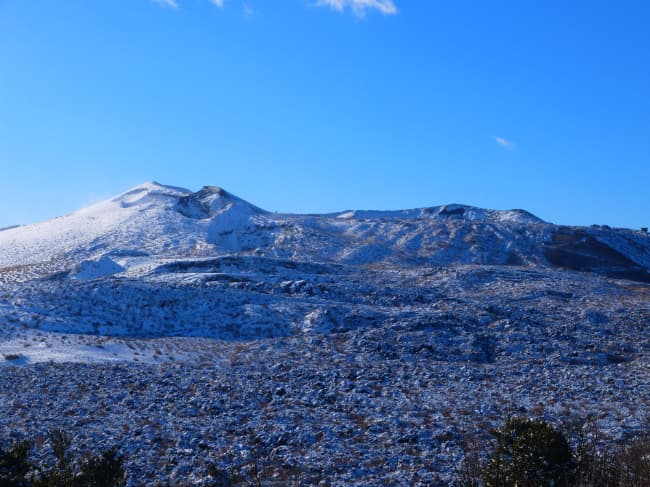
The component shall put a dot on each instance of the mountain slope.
(154, 222)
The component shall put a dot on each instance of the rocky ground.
(384, 402)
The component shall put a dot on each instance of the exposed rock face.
(452, 210)
(208, 202)
(576, 249)
(192, 207)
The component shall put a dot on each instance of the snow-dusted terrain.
(358, 347)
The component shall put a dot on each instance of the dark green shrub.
(103, 470)
(62, 474)
(259, 468)
(531, 453)
(220, 477)
(632, 463)
(15, 465)
(60, 442)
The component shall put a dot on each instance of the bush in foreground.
(103, 470)
(528, 452)
(15, 465)
(531, 453)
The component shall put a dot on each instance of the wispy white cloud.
(360, 7)
(249, 11)
(505, 143)
(167, 3)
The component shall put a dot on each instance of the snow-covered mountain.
(359, 347)
(150, 224)
(159, 261)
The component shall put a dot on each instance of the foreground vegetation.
(532, 453)
(523, 452)
(103, 470)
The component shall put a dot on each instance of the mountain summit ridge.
(168, 222)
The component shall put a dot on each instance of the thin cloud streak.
(167, 3)
(506, 144)
(360, 7)
(249, 11)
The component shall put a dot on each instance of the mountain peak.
(156, 186)
(210, 201)
(213, 190)
(144, 192)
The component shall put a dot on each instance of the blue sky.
(316, 106)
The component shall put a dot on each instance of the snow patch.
(93, 269)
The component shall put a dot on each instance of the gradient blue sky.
(301, 106)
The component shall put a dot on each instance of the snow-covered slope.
(152, 222)
(150, 219)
